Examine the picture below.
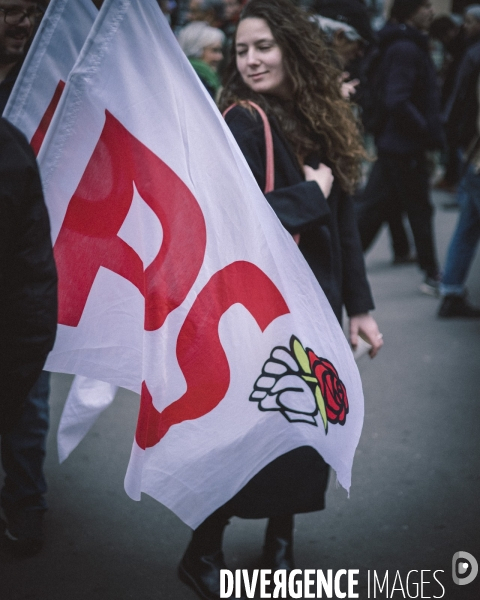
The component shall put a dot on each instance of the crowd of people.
(320, 81)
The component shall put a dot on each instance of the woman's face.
(259, 58)
(212, 55)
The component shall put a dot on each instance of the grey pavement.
(415, 496)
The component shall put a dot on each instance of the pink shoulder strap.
(270, 169)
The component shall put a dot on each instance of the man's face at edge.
(14, 38)
(422, 18)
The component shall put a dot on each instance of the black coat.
(462, 107)
(410, 93)
(28, 278)
(329, 238)
(6, 86)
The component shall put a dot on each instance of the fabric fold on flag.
(86, 400)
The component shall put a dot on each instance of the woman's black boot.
(203, 559)
(278, 549)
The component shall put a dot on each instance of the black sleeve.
(28, 278)
(297, 206)
(356, 293)
(452, 109)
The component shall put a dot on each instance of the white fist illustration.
(280, 387)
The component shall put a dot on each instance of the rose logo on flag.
(301, 385)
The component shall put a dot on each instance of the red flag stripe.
(39, 135)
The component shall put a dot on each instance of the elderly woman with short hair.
(203, 46)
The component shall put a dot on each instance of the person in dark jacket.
(18, 19)
(460, 114)
(454, 42)
(411, 125)
(317, 151)
(463, 116)
(29, 296)
(28, 321)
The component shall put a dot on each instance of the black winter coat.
(410, 93)
(6, 86)
(462, 107)
(28, 278)
(329, 238)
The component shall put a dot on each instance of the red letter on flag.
(199, 351)
(88, 238)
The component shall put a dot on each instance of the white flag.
(177, 280)
(87, 399)
(53, 53)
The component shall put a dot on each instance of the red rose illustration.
(332, 388)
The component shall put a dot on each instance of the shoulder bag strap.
(270, 168)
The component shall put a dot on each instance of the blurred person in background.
(452, 37)
(471, 24)
(408, 126)
(231, 10)
(462, 116)
(464, 242)
(231, 13)
(202, 45)
(461, 107)
(346, 25)
(347, 28)
(18, 22)
(209, 11)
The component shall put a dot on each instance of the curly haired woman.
(280, 63)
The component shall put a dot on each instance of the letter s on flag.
(199, 350)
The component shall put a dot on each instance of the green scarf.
(207, 75)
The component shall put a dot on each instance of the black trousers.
(400, 183)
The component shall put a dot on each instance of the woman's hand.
(348, 87)
(365, 326)
(323, 176)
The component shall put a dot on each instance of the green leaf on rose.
(301, 356)
(321, 406)
(309, 378)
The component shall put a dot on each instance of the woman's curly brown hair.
(316, 118)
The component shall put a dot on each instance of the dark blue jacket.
(410, 93)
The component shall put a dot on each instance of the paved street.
(416, 484)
